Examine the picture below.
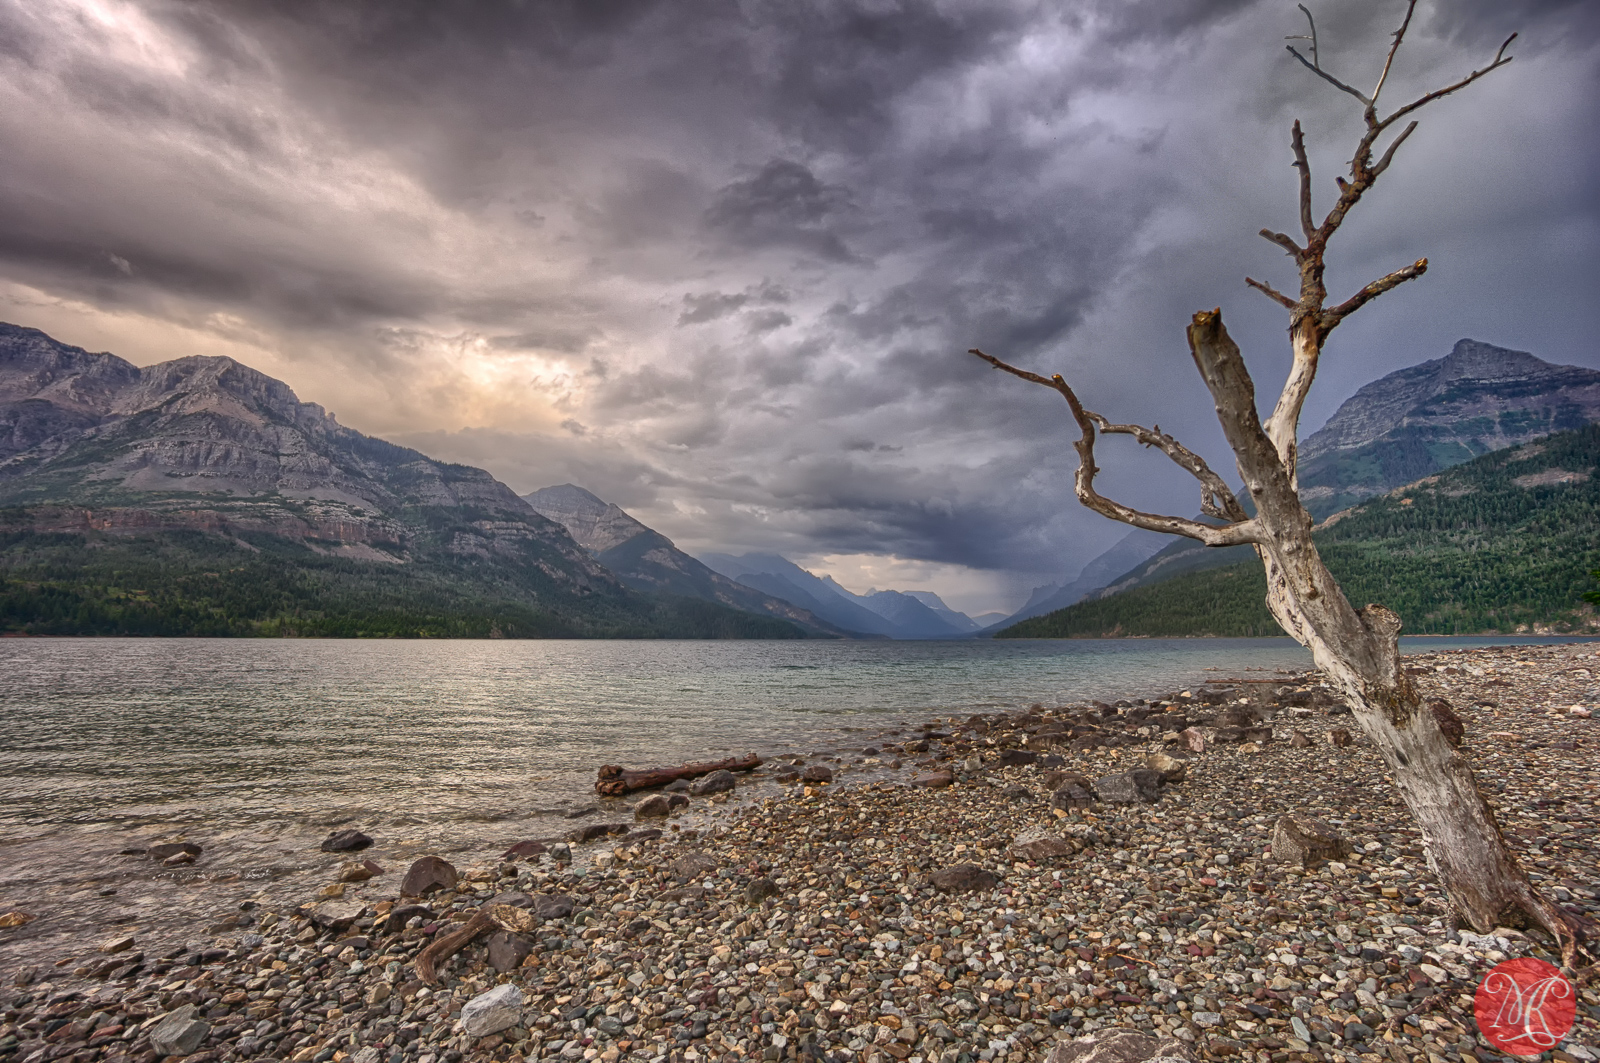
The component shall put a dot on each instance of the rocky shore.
(986, 888)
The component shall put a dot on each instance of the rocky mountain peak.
(595, 524)
(1427, 417)
(1476, 360)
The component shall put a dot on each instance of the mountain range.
(889, 614)
(1407, 425)
(199, 496)
(1505, 542)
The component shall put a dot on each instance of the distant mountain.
(1131, 550)
(647, 560)
(958, 620)
(889, 613)
(1423, 419)
(1503, 543)
(912, 619)
(1409, 424)
(199, 496)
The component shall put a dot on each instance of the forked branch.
(1216, 498)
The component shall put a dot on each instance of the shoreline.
(859, 945)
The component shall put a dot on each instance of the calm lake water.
(256, 749)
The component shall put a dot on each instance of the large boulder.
(1171, 768)
(345, 841)
(654, 806)
(964, 878)
(1139, 786)
(498, 1009)
(508, 950)
(719, 781)
(1121, 1046)
(692, 865)
(1038, 843)
(428, 874)
(1305, 840)
(337, 914)
(553, 906)
(180, 1033)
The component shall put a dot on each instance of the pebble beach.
(982, 888)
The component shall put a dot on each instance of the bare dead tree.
(1357, 649)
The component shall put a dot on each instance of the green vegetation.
(201, 583)
(1469, 550)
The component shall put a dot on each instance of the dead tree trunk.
(1358, 650)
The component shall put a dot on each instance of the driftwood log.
(615, 780)
(496, 917)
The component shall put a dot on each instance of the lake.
(258, 748)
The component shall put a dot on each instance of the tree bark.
(1359, 652)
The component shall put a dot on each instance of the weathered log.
(499, 916)
(616, 780)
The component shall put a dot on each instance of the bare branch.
(1284, 241)
(1235, 534)
(1216, 498)
(1321, 73)
(1315, 60)
(1500, 60)
(1399, 35)
(1270, 292)
(1301, 163)
(1331, 317)
(1388, 156)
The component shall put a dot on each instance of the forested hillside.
(178, 582)
(1500, 544)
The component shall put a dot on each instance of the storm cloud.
(719, 260)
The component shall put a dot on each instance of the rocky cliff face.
(1425, 418)
(92, 445)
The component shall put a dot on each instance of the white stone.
(491, 1012)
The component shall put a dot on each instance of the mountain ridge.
(214, 467)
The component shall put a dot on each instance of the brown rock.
(341, 841)
(524, 850)
(337, 915)
(508, 950)
(1304, 840)
(427, 874)
(817, 773)
(1193, 739)
(654, 806)
(359, 872)
(1037, 843)
(1300, 740)
(692, 865)
(553, 906)
(12, 920)
(1171, 768)
(1339, 737)
(935, 780)
(963, 878)
(1450, 725)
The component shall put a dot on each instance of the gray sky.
(719, 261)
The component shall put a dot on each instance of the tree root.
(497, 917)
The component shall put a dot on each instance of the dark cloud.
(720, 262)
